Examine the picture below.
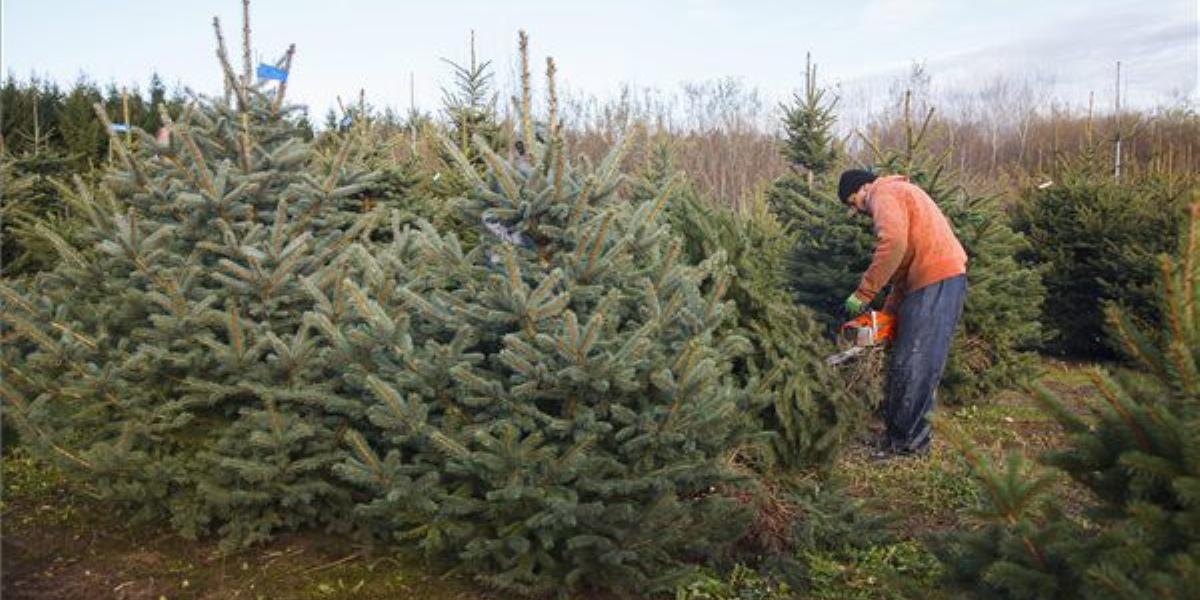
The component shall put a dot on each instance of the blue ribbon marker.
(266, 71)
(120, 127)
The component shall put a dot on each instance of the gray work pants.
(927, 320)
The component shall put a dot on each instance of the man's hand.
(854, 306)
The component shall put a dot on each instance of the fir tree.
(552, 407)
(30, 117)
(374, 149)
(1137, 456)
(829, 248)
(149, 119)
(32, 203)
(83, 137)
(806, 407)
(398, 182)
(831, 251)
(808, 125)
(166, 359)
(828, 251)
(802, 402)
(18, 187)
(469, 108)
(1000, 319)
(1022, 544)
(1098, 239)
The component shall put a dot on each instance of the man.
(917, 253)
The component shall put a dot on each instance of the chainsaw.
(872, 328)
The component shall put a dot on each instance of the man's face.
(858, 201)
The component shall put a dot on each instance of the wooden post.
(362, 104)
(1117, 156)
(526, 114)
(247, 72)
(282, 89)
(810, 84)
(412, 110)
(37, 127)
(125, 115)
(1054, 122)
(1088, 129)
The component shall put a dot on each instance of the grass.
(928, 495)
(59, 542)
(894, 571)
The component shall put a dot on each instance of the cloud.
(1077, 55)
(1158, 53)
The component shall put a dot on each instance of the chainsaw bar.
(844, 355)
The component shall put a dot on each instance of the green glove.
(854, 306)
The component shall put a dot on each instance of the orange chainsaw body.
(872, 328)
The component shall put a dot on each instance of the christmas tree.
(32, 200)
(803, 402)
(832, 250)
(1098, 238)
(165, 360)
(826, 251)
(808, 127)
(378, 148)
(553, 408)
(469, 110)
(84, 140)
(1138, 458)
(1022, 544)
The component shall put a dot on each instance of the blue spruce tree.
(553, 407)
(166, 359)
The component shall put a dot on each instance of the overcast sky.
(599, 45)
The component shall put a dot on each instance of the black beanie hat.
(852, 180)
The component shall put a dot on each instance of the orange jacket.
(916, 245)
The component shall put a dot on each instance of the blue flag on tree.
(120, 127)
(266, 71)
